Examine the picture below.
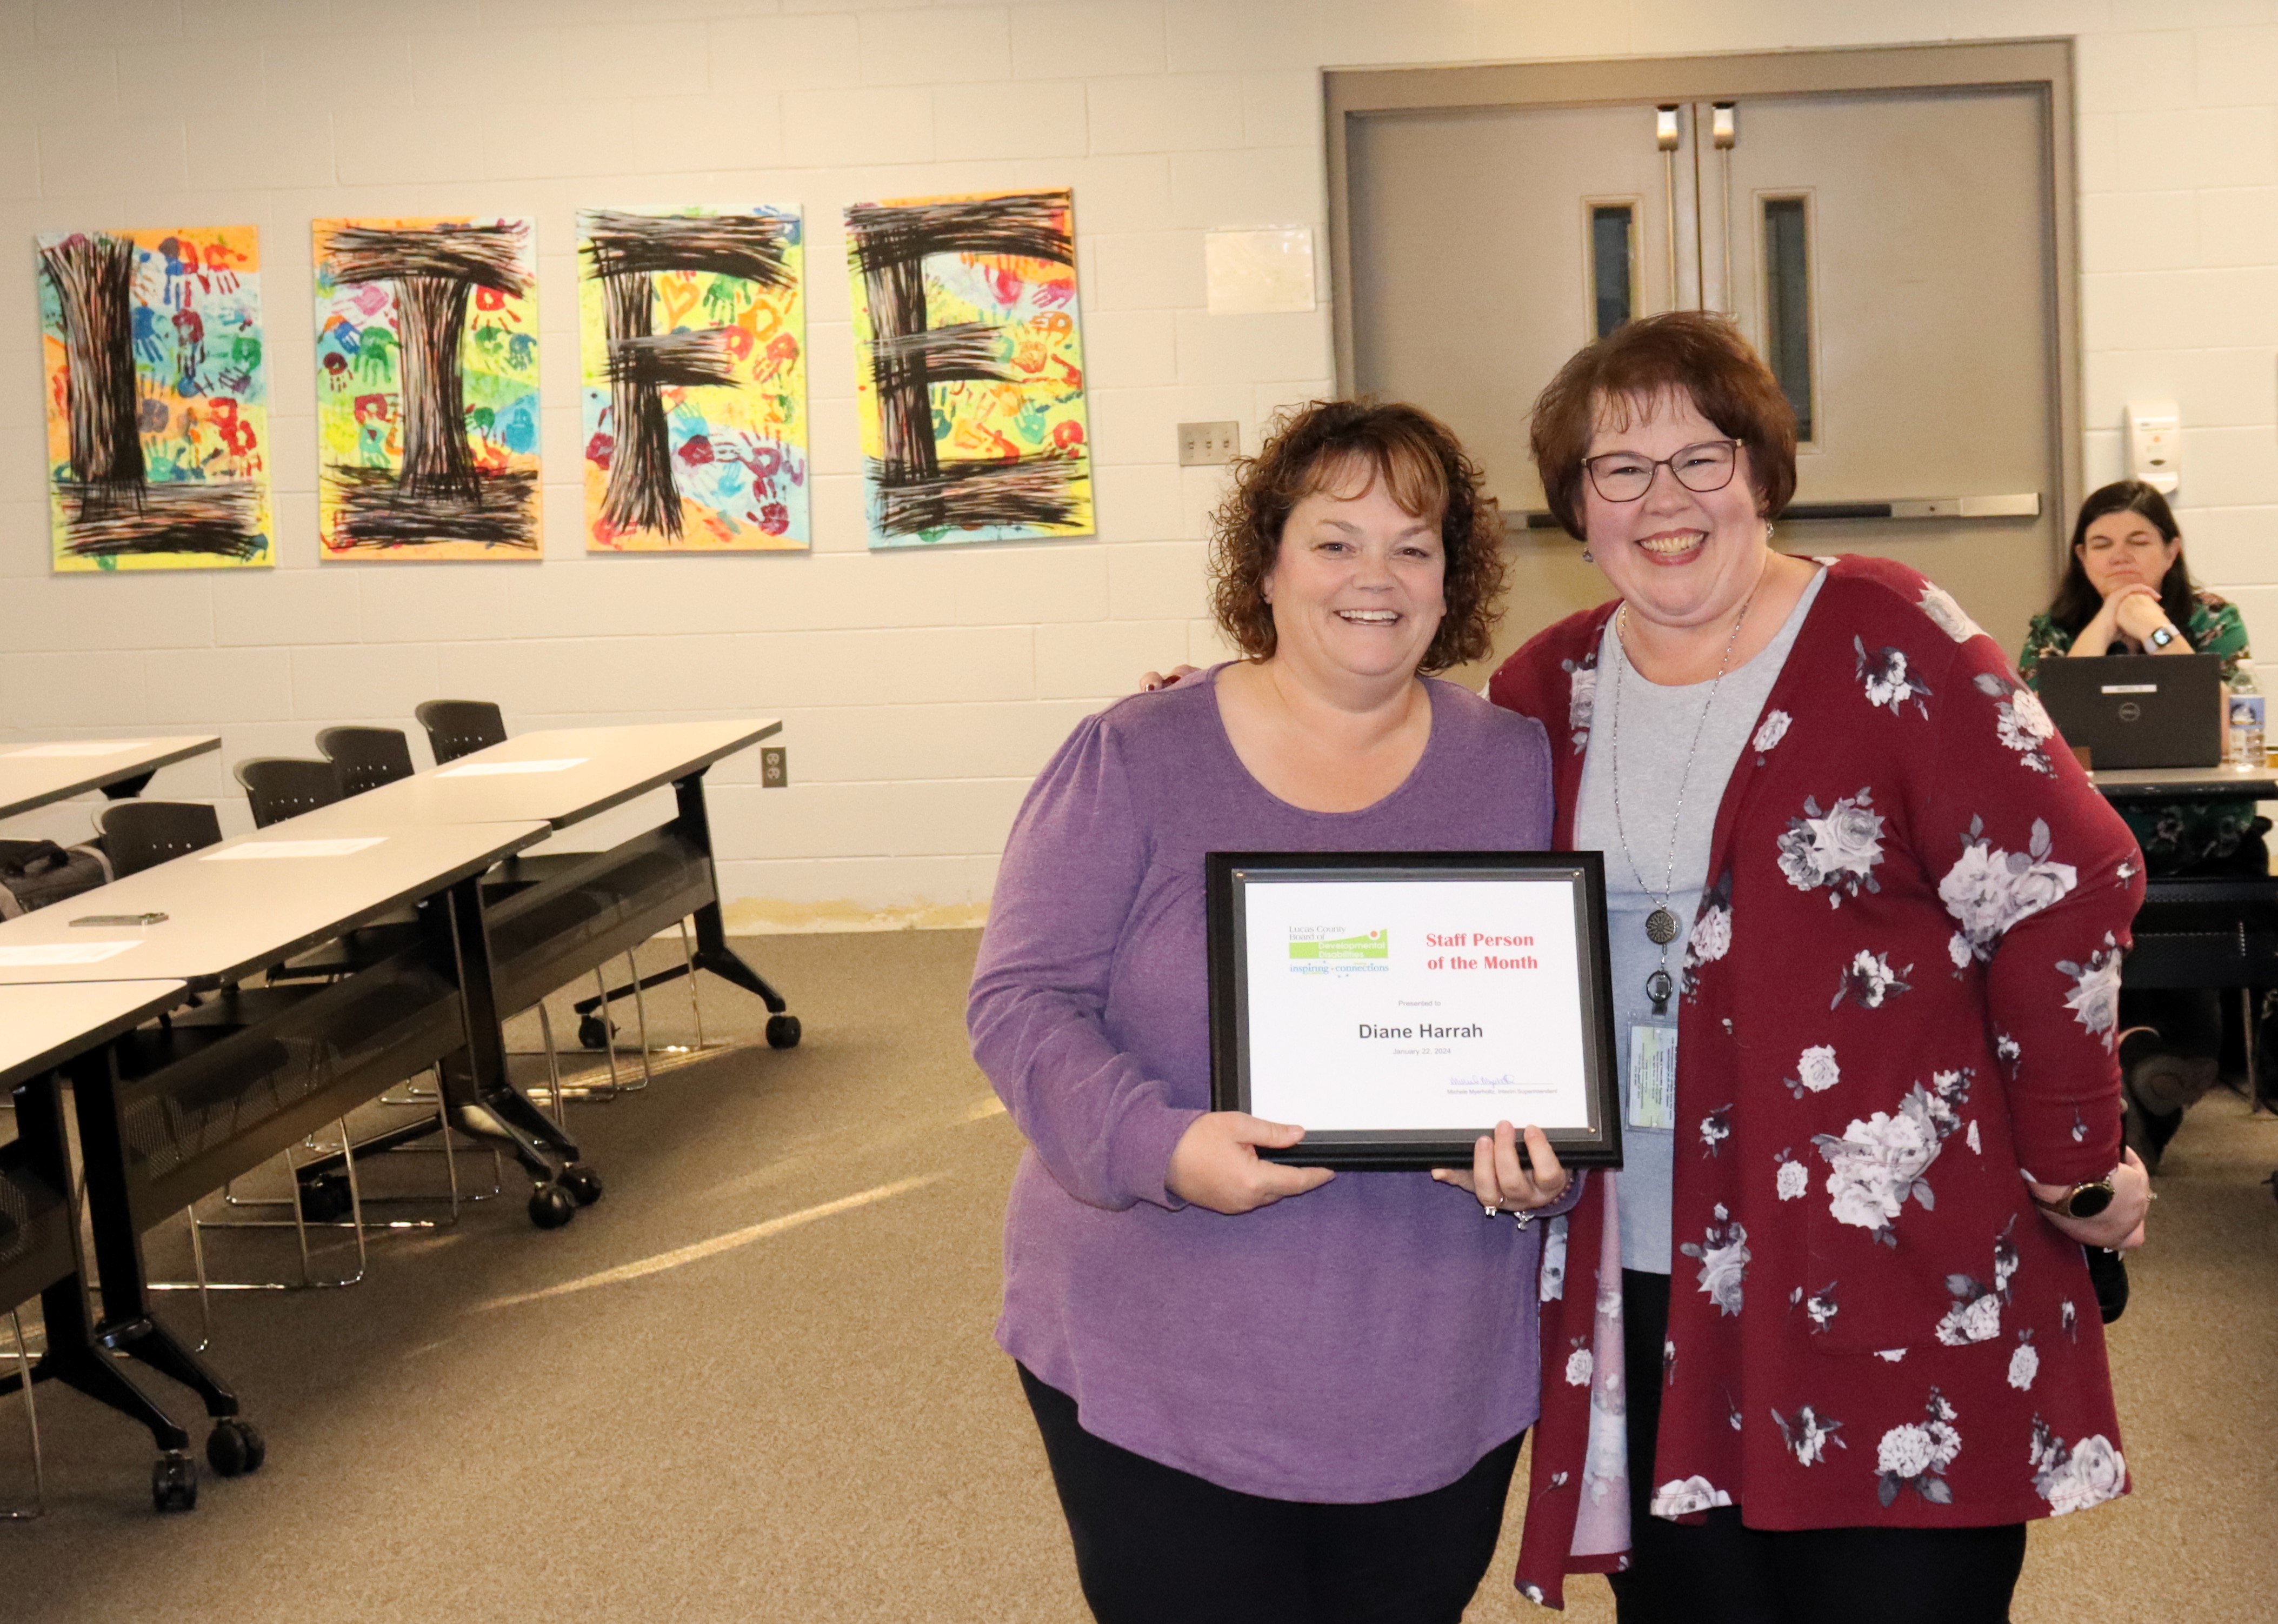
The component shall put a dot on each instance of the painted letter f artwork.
(426, 389)
(969, 368)
(693, 329)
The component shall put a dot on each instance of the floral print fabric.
(1899, 994)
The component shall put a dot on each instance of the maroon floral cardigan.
(1899, 999)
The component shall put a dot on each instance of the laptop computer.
(2138, 710)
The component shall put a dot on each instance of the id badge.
(1653, 1076)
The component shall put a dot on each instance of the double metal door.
(1892, 254)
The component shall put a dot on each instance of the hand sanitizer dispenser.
(2155, 444)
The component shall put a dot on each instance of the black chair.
(365, 758)
(282, 786)
(142, 834)
(457, 727)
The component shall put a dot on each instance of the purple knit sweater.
(1368, 1341)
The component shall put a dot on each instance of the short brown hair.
(1424, 468)
(1696, 353)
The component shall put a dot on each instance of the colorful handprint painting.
(692, 327)
(968, 349)
(158, 398)
(427, 410)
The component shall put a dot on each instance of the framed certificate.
(1400, 1005)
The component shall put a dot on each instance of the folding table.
(568, 913)
(167, 1116)
(43, 1030)
(2218, 932)
(33, 775)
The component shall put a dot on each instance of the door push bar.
(2025, 504)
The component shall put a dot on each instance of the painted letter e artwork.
(969, 368)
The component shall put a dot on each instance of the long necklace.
(1661, 925)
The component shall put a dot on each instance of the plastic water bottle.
(2243, 737)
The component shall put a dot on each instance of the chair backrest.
(457, 727)
(282, 786)
(142, 834)
(366, 757)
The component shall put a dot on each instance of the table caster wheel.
(583, 1183)
(326, 1198)
(551, 1207)
(235, 1447)
(783, 1031)
(593, 1032)
(174, 1483)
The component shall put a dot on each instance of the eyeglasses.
(1624, 476)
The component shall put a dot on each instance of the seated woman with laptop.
(2128, 591)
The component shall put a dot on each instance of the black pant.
(1157, 1545)
(1722, 1573)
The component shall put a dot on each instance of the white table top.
(583, 772)
(228, 914)
(2230, 781)
(42, 1027)
(32, 774)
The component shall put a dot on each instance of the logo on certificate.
(1325, 950)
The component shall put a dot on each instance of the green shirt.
(2181, 835)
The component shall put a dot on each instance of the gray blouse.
(1651, 726)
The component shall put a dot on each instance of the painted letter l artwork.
(158, 398)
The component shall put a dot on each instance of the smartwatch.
(2161, 639)
(2082, 1200)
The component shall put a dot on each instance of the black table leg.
(72, 1355)
(483, 1100)
(80, 1351)
(712, 950)
(126, 1324)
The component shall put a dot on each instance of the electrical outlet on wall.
(775, 766)
(1202, 444)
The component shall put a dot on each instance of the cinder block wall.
(920, 689)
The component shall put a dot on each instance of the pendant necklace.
(1661, 925)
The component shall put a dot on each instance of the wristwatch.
(2161, 639)
(2081, 1201)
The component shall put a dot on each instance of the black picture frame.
(1227, 876)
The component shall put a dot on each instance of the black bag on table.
(35, 873)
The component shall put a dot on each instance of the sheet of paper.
(261, 849)
(1435, 1004)
(33, 957)
(80, 746)
(500, 770)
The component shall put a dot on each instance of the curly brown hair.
(1698, 355)
(1315, 447)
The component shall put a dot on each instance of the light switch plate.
(1202, 444)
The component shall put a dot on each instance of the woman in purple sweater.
(1266, 1393)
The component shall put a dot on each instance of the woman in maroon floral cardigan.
(1881, 922)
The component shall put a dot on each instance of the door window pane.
(1787, 304)
(1613, 265)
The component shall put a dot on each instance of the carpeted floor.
(734, 1391)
